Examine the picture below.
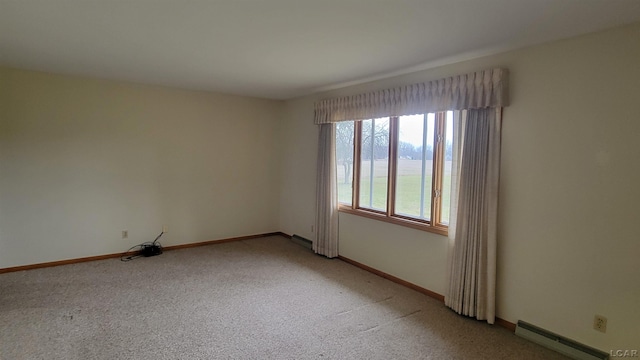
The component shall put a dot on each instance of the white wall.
(569, 237)
(298, 148)
(82, 159)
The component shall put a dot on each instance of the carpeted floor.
(264, 298)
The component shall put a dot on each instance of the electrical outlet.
(600, 323)
(165, 228)
(311, 228)
(125, 234)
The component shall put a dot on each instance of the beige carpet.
(255, 299)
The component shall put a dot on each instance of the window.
(397, 169)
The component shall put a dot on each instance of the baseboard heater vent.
(558, 343)
(301, 241)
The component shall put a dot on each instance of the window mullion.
(438, 166)
(393, 165)
(357, 153)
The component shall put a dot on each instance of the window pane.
(415, 166)
(446, 173)
(374, 164)
(344, 160)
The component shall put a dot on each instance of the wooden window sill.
(396, 220)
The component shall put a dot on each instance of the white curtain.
(326, 242)
(473, 229)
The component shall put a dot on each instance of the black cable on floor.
(148, 248)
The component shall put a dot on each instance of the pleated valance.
(481, 89)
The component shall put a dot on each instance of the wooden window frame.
(434, 224)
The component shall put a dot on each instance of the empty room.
(339, 179)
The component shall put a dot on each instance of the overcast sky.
(411, 128)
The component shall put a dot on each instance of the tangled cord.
(140, 249)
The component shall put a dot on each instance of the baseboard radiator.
(301, 241)
(558, 343)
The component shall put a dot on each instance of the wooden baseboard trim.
(500, 322)
(58, 263)
(220, 241)
(415, 287)
(112, 256)
(506, 324)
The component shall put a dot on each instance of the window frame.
(434, 224)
